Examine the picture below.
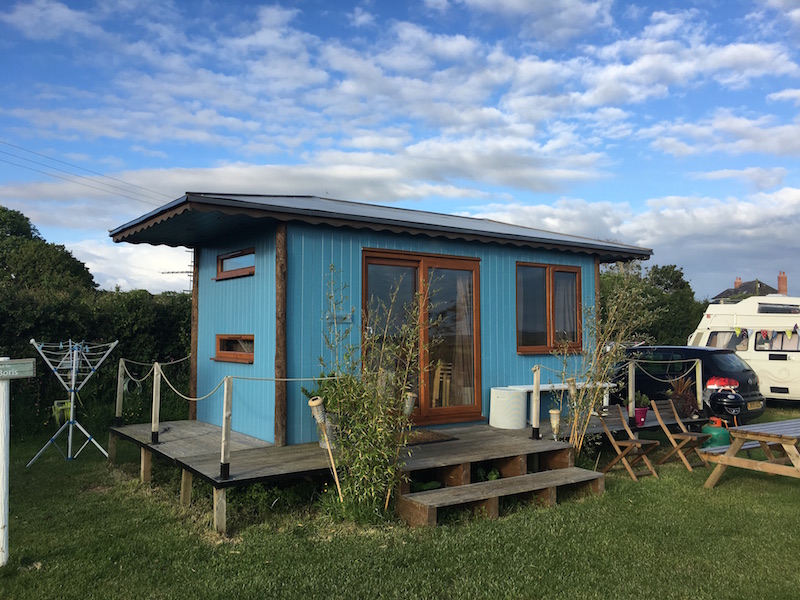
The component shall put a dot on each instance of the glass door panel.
(451, 361)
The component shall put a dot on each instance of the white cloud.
(759, 177)
(47, 20)
(555, 21)
(792, 95)
(135, 266)
(361, 18)
(712, 239)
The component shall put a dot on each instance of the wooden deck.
(194, 447)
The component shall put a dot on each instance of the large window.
(548, 308)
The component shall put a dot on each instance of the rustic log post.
(631, 391)
(536, 403)
(156, 410)
(227, 411)
(193, 340)
(281, 257)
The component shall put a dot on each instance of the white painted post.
(156, 411)
(227, 412)
(536, 402)
(120, 390)
(631, 390)
(5, 448)
(698, 383)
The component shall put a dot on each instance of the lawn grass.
(81, 529)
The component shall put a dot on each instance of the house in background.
(745, 289)
(260, 303)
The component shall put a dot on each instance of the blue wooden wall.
(247, 305)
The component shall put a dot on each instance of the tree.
(48, 294)
(680, 312)
(13, 224)
(666, 295)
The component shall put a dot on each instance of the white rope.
(667, 362)
(146, 364)
(188, 398)
(287, 379)
(131, 377)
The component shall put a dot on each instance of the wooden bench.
(716, 450)
(420, 508)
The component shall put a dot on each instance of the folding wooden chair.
(632, 448)
(684, 442)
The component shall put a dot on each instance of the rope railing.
(632, 363)
(227, 406)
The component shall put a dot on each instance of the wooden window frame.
(232, 273)
(424, 414)
(234, 357)
(550, 308)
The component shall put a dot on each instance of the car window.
(729, 362)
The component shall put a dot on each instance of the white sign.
(18, 369)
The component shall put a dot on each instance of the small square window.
(235, 348)
(236, 264)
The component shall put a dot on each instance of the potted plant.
(682, 394)
(641, 404)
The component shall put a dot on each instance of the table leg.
(734, 448)
(793, 454)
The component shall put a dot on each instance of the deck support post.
(112, 448)
(186, 488)
(536, 402)
(220, 508)
(156, 410)
(145, 465)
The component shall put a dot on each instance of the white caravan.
(763, 330)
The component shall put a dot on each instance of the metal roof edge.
(342, 212)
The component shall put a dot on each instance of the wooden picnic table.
(779, 437)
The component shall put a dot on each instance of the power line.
(116, 187)
(81, 168)
(146, 201)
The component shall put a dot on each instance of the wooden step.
(420, 508)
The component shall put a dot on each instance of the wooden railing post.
(227, 411)
(698, 383)
(631, 391)
(536, 403)
(156, 403)
(120, 390)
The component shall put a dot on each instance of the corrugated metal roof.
(197, 218)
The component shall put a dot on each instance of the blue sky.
(672, 126)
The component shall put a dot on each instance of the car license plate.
(754, 405)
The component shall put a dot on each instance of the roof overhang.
(198, 219)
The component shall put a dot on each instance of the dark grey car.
(721, 367)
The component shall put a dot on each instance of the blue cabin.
(263, 268)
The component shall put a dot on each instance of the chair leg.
(622, 456)
(649, 465)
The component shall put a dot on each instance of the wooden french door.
(449, 388)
